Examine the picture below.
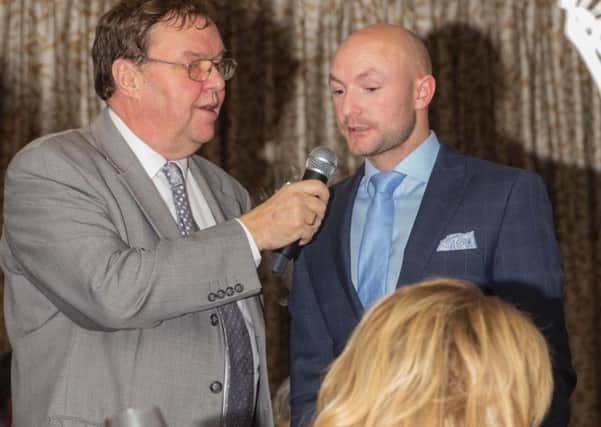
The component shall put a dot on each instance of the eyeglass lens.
(201, 70)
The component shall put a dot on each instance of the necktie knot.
(173, 173)
(386, 182)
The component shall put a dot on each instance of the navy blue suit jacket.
(517, 258)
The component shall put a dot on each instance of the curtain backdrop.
(511, 88)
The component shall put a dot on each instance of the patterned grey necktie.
(240, 388)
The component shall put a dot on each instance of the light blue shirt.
(417, 168)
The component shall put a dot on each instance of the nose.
(349, 106)
(215, 80)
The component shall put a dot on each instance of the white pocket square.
(458, 242)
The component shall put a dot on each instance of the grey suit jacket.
(106, 305)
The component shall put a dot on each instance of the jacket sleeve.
(60, 236)
(527, 271)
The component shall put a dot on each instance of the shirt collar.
(418, 164)
(151, 161)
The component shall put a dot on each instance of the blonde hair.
(439, 353)
(281, 404)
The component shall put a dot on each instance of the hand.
(293, 213)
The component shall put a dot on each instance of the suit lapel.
(223, 206)
(111, 144)
(342, 210)
(441, 198)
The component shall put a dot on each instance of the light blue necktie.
(374, 251)
(240, 387)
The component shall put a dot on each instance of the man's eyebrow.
(334, 79)
(199, 55)
(370, 72)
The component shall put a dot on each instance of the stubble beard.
(396, 138)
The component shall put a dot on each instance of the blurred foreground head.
(439, 353)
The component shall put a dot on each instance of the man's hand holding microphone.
(294, 213)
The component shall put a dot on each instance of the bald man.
(415, 209)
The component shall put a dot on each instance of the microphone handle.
(281, 257)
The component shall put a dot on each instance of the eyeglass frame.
(190, 65)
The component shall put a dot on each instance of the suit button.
(239, 288)
(229, 291)
(216, 387)
(214, 319)
(220, 294)
(212, 297)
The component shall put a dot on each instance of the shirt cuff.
(251, 241)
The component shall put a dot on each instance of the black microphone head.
(322, 160)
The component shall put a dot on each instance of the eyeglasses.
(200, 69)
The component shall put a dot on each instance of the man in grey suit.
(128, 259)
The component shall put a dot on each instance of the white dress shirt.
(152, 162)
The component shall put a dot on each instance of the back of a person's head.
(440, 354)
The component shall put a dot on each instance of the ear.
(127, 77)
(424, 91)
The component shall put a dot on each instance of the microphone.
(321, 164)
